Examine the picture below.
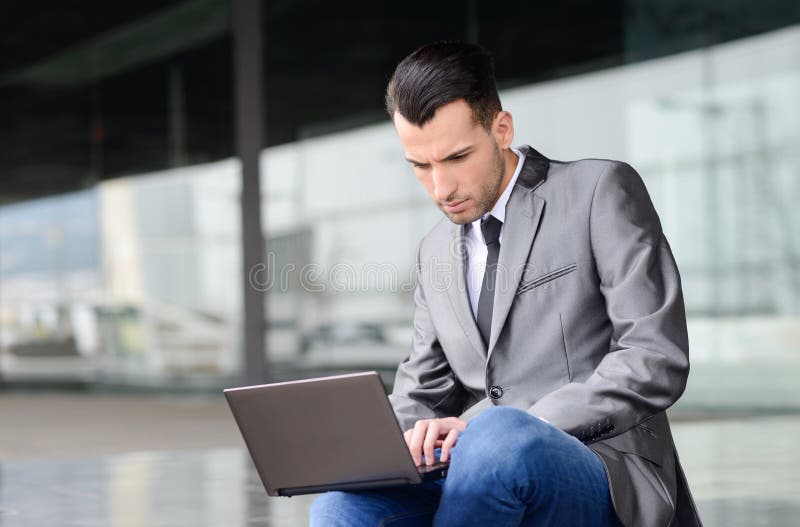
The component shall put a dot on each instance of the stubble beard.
(489, 192)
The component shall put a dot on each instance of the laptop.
(328, 433)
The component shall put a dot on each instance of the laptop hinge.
(354, 485)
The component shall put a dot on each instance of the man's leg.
(412, 506)
(511, 469)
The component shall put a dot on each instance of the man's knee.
(505, 416)
(504, 428)
(508, 421)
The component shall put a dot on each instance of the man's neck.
(510, 160)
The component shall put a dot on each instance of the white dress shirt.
(476, 247)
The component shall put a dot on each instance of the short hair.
(439, 73)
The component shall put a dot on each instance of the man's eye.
(458, 158)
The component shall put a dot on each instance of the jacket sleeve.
(647, 364)
(425, 387)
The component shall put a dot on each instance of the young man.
(549, 330)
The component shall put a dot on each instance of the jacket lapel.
(523, 214)
(459, 297)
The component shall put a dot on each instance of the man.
(549, 330)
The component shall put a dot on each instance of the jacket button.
(495, 392)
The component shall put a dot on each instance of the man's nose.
(443, 186)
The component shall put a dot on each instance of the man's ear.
(503, 129)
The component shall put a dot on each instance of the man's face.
(457, 161)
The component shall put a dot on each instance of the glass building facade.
(121, 189)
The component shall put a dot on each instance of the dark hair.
(440, 73)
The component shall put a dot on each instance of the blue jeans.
(508, 468)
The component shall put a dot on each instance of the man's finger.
(407, 436)
(417, 437)
(447, 444)
(430, 440)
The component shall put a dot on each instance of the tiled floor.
(198, 488)
(743, 472)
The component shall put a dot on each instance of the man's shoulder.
(581, 177)
(587, 168)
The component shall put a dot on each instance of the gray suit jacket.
(588, 330)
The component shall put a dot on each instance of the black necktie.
(491, 235)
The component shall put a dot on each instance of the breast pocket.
(545, 278)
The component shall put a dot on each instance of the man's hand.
(429, 434)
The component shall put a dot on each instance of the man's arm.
(646, 368)
(425, 387)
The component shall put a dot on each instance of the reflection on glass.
(133, 279)
(138, 279)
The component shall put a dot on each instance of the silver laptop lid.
(321, 434)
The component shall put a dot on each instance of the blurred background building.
(120, 224)
(124, 189)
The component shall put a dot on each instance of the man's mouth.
(455, 206)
